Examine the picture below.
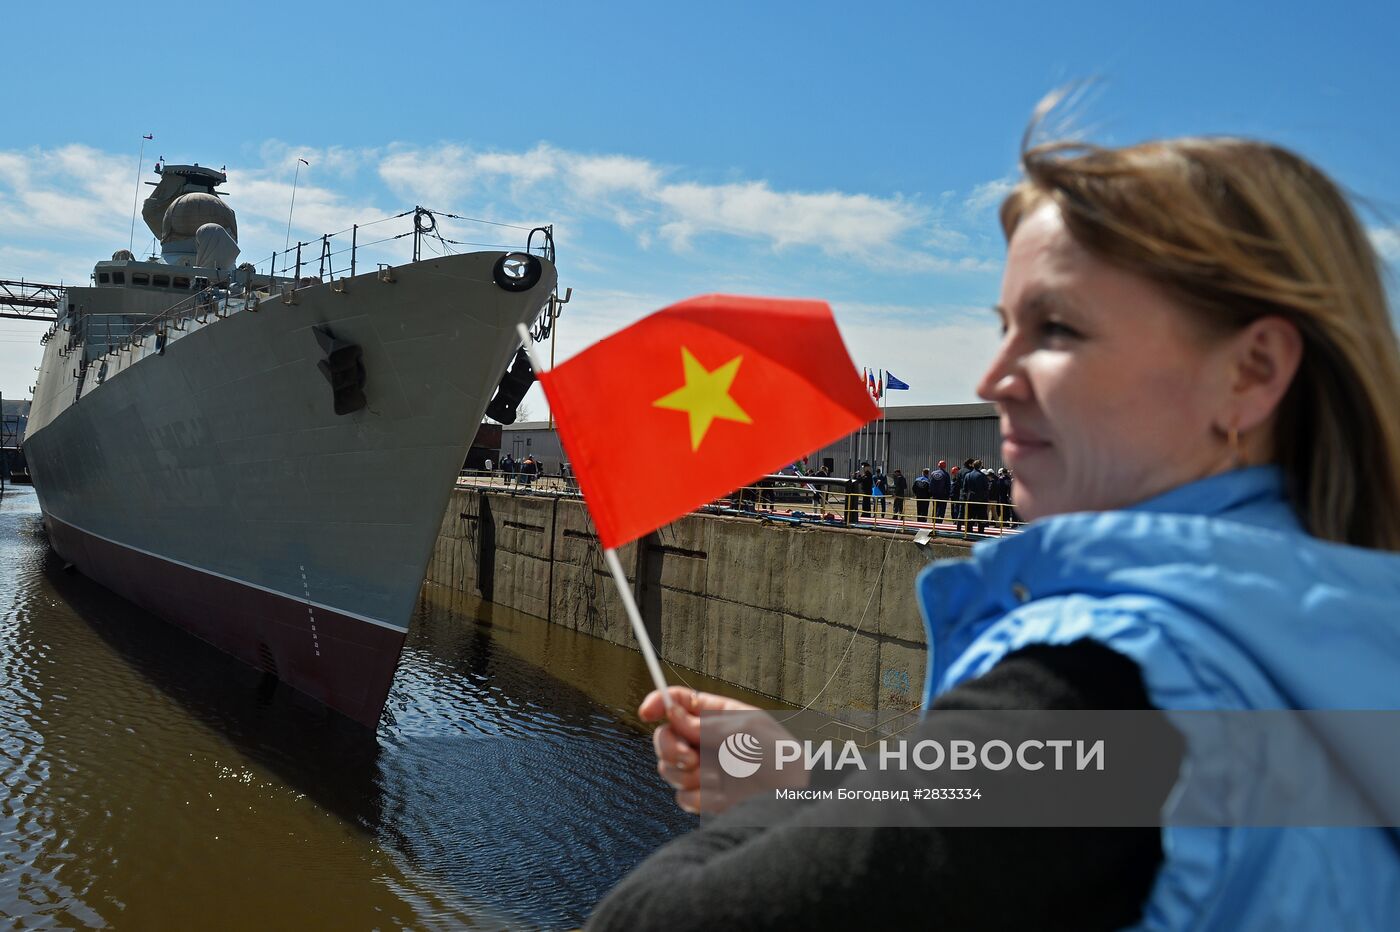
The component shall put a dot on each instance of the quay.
(809, 615)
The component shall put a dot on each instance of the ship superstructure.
(264, 460)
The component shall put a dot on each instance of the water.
(148, 781)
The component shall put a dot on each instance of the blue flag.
(893, 383)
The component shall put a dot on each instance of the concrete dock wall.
(800, 614)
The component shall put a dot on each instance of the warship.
(264, 460)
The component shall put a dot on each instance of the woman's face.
(1107, 390)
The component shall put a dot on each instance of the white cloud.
(445, 173)
(318, 209)
(14, 169)
(42, 265)
(599, 176)
(988, 195)
(279, 159)
(652, 200)
(436, 175)
(523, 167)
(78, 190)
(1386, 241)
(73, 189)
(834, 222)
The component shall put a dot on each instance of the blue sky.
(855, 154)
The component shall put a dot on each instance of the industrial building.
(916, 436)
(908, 438)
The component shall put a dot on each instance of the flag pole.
(875, 430)
(880, 424)
(140, 163)
(884, 425)
(860, 442)
(870, 428)
(884, 428)
(300, 162)
(629, 604)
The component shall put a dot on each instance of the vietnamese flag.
(697, 400)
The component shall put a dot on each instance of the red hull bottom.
(344, 662)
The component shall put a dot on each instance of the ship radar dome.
(214, 248)
(123, 255)
(188, 212)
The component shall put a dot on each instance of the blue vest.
(1224, 602)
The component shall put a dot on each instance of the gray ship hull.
(213, 484)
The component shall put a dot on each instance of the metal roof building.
(533, 438)
(909, 438)
(912, 437)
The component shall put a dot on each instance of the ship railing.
(92, 329)
(408, 237)
(208, 299)
(111, 329)
(788, 499)
(419, 231)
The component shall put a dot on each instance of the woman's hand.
(677, 745)
(677, 742)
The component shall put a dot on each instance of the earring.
(1232, 440)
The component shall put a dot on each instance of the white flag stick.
(634, 615)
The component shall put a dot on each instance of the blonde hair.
(1236, 230)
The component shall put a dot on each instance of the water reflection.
(149, 780)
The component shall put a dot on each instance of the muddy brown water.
(149, 781)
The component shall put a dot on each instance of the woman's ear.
(1264, 357)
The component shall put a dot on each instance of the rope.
(480, 245)
(494, 223)
(874, 588)
(286, 255)
(371, 223)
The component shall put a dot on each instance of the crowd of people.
(525, 472)
(973, 496)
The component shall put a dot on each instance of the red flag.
(699, 399)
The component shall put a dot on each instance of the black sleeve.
(732, 876)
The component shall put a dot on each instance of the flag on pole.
(894, 384)
(870, 382)
(880, 386)
(712, 392)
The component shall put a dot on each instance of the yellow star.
(705, 396)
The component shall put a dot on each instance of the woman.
(1196, 355)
